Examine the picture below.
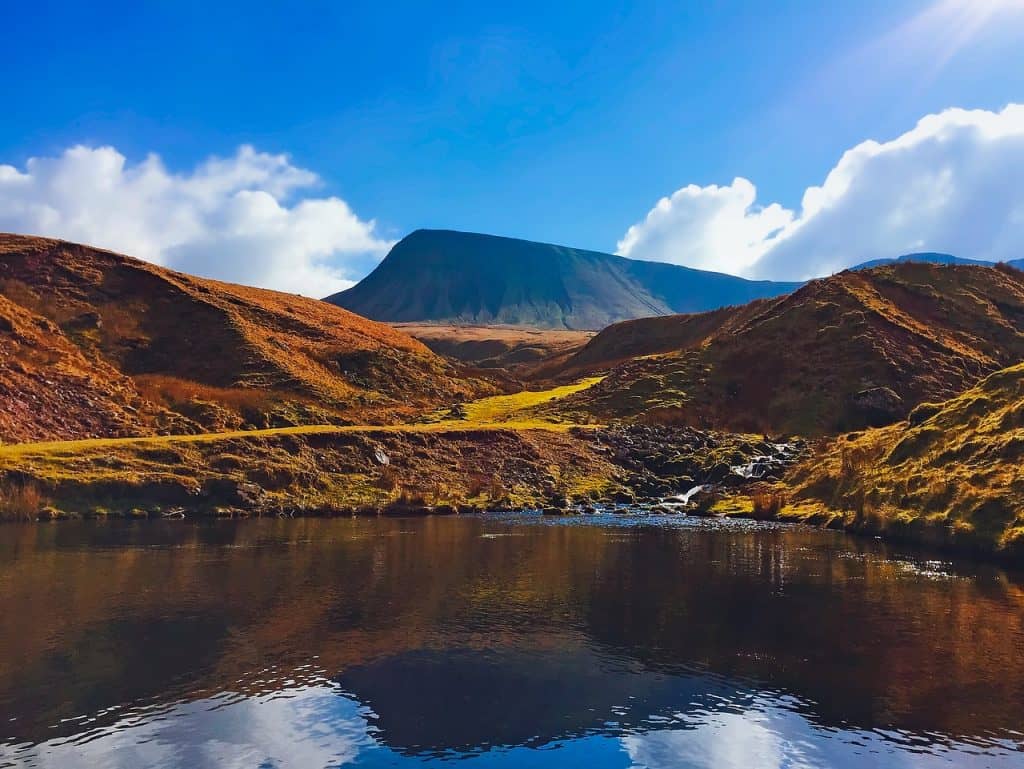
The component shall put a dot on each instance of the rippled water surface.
(512, 641)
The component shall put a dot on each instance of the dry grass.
(329, 469)
(493, 413)
(509, 408)
(387, 479)
(20, 501)
(174, 392)
(953, 478)
(767, 504)
(87, 314)
(796, 364)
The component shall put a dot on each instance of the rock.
(558, 501)
(227, 462)
(231, 493)
(86, 320)
(677, 466)
(719, 472)
(878, 405)
(681, 482)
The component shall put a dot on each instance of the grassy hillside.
(952, 474)
(466, 278)
(842, 353)
(130, 348)
(302, 470)
(488, 454)
(49, 388)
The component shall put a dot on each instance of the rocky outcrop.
(661, 461)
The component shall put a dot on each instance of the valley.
(172, 396)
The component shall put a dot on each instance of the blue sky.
(563, 122)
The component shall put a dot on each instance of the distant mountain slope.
(96, 343)
(841, 353)
(460, 277)
(932, 257)
(508, 348)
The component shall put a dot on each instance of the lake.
(500, 641)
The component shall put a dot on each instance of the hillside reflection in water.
(515, 640)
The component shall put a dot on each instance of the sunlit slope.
(494, 452)
(856, 349)
(217, 356)
(954, 473)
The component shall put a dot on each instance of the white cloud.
(949, 184)
(712, 228)
(229, 218)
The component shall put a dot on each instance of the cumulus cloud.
(239, 218)
(949, 184)
(696, 226)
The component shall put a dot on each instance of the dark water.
(515, 642)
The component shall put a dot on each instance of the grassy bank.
(951, 476)
(488, 453)
(305, 471)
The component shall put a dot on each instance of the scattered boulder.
(877, 406)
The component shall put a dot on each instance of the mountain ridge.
(857, 349)
(933, 257)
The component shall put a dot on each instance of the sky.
(289, 145)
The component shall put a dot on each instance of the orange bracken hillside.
(100, 344)
(856, 349)
(49, 388)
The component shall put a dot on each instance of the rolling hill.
(99, 344)
(467, 278)
(857, 349)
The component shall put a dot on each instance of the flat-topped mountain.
(93, 343)
(462, 277)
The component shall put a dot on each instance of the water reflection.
(518, 642)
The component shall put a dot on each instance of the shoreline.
(823, 520)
